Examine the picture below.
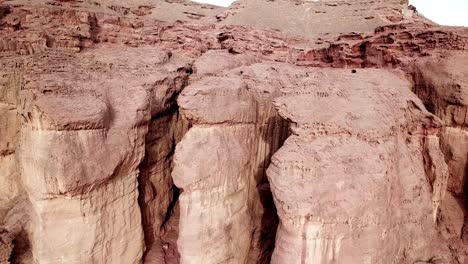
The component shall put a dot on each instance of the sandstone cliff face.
(443, 93)
(362, 135)
(81, 172)
(8, 132)
(173, 132)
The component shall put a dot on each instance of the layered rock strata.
(129, 136)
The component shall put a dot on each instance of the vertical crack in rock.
(441, 83)
(158, 198)
(273, 131)
(21, 249)
(158, 195)
(436, 171)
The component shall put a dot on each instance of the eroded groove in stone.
(273, 134)
(158, 195)
(441, 84)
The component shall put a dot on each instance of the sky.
(444, 12)
(216, 2)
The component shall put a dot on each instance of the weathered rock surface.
(357, 143)
(176, 132)
(220, 165)
(81, 171)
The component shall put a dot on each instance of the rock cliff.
(285, 131)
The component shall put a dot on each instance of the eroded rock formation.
(175, 132)
(363, 135)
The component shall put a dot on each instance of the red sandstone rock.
(175, 132)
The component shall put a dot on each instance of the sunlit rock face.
(84, 178)
(176, 132)
(247, 131)
(358, 140)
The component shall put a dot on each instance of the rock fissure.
(158, 197)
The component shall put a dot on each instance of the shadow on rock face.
(275, 133)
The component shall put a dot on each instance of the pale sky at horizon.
(444, 12)
(216, 2)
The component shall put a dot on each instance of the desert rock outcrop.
(358, 140)
(175, 132)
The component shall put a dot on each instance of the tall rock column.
(220, 164)
(212, 167)
(350, 185)
(78, 156)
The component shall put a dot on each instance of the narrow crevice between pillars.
(442, 95)
(274, 133)
(158, 197)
